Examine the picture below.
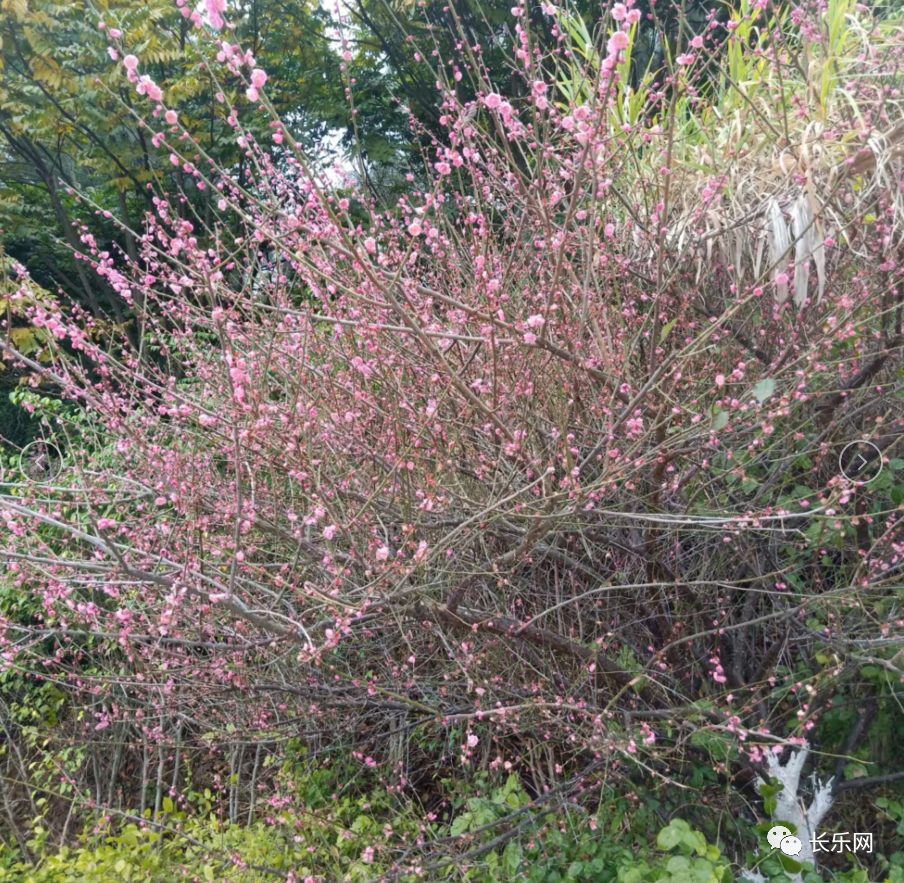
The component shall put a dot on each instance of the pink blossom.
(720, 380)
(215, 10)
(472, 740)
(444, 168)
(130, 62)
(618, 41)
(535, 321)
(609, 230)
(115, 33)
(633, 16)
(619, 12)
(370, 245)
(171, 117)
(146, 86)
(112, 53)
(530, 338)
(258, 78)
(382, 553)
(252, 93)
(493, 100)
(330, 531)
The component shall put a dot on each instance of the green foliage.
(64, 115)
(893, 811)
(688, 859)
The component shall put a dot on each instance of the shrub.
(542, 469)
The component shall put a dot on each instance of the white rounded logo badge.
(791, 845)
(776, 835)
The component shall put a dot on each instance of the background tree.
(66, 120)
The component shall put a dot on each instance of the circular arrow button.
(861, 461)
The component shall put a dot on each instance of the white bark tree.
(791, 806)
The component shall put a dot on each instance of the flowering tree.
(550, 458)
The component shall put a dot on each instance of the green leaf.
(208, 872)
(667, 330)
(511, 858)
(461, 824)
(168, 805)
(669, 837)
(720, 420)
(695, 840)
(764, 390)
(791, 866)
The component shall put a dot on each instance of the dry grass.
(777, 121)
